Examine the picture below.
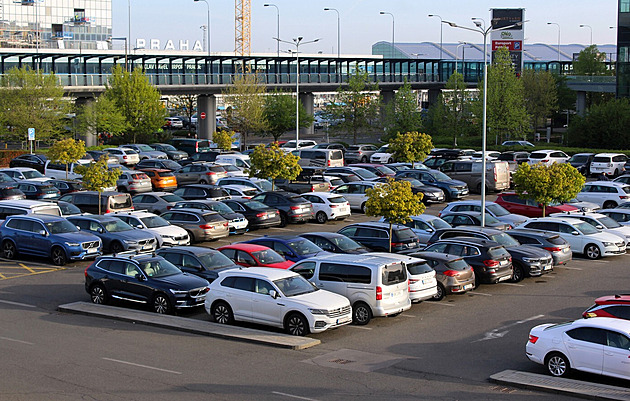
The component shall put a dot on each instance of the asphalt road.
(436, 351)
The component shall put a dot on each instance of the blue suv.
(117, 236)
(48, 236)
(291, 247)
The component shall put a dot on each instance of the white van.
(235, 159)
(609, 163)
(319, 157)
(375, 285)
(27, 206)
(422, 281)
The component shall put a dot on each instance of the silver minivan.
(320, 157)
(469, 171)
(375, 285)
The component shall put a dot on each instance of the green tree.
(590, 62)
(185, 105)
(223, 139)
(66, 151)
(605, 123)
(395, 201)
(32, 99)
(541, 95)
(410, 147)
(97, 176)
(101, 116)
(506, 113)
(138, 101)
(246, 100)
(559, 182)
(356, 108)
(280, 114)
(402, 114)
(272, 162)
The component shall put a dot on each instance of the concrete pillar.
(307, 100)
(388, 98)
(581, 103)
(90, 138)
(433, 95)
(206, 126)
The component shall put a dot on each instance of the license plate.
(467, 287)
(344, 320)
(270, 215)
(425, 281)
(504, 278)
(147, 247)
(548, 267)
(565, 250)
(503, 262)
(90, 250)
(394, 294)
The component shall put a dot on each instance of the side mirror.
(139, 226)
(139, 277)
(273, 294)
(43, 233)
(100, 230)
(430, 230)
(599, 227)
(78, 228)
(575, 233)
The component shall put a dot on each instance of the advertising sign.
(510, 38)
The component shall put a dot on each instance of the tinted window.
(394, 274)
(306, 270)
(244, 283)
(622, 312)
(498, 252)
(419, 268)
(344, 273)
(588, 334)
(458, 264)
(405, 234)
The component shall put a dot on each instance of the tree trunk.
(544, 206)
(390, 237)
(66, 171)
(99, 202)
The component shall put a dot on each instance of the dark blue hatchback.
(291, 247)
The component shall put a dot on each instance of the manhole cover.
(357, 361)
(540, 281)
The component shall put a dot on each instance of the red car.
(378, 169)
(255, 255)
(529, 207)
(617, 306)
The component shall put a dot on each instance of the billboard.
(510, 38)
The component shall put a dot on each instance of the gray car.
(359, 153)
(200, 173)
(116, 235)
(171, 151)
(202, 225)
(146, 151)
(553, 243)
(423, 226)
(155, 202)
(492, 209)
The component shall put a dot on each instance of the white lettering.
(155, 44)
(141, 43)
(169, 45)
(183, 45)
(197, 46)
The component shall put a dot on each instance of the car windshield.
(294, 285)
(61, 227)
(365, 174)
(268, 256)
(344, 243)
(413, 181)
(116, 226)
(172, 198)
(221, 208)
(578, 159)
(440, 176)
(504, 239)
(586, 228)
(215, 260)
(304, 247)
(68, 208)
(265, 185)
(145, 148)
(169, 147)
(171, 165)
(383, 149)
(385, 170)
(154, 222)
(29, 174)
(159, 268)
(497, 210)
(5, 178)
(608, 222)
(489, 219)
(255, 205)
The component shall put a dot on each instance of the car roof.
(324, 234)
(269, 273)
(609, 154)
(44, 218)
(605, 323)
(135, 213)
(470, 240)
(532, 233)
(609, 183)
(567, 220)
(613, 299)
(376, 224)
(196, 250)
(97, 217)
(17, 169)
(245, 247)
(192, 210)
(617, 210)
(475, 229)
(468, 202)
(363, 259)
(279, 237)
(443, 257)
(578, 214)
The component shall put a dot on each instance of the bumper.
(614, 250)
(322, 323)
(455, 194)
(238, 227)
(82, 254)
(538, 268)
(166, 187)
(561, 258)
(302, 217)
(461, 288)
(170, 241)
(422, 294)
(335, 215)
(392, 309)
(493, 278)
(432, 199)
(212, 235)
(142, 248)
(140, 188)
(182, 303)
(265, 223)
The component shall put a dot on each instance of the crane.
(242, 36)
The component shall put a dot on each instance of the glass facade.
(56, 24)
(623, 49)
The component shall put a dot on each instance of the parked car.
(201, 192)
(611, 164)
(375, 236)
(456, 219)
(165, 233)
(258, 214)
(156, 202)
(47, 236)
(529, 207)
(547, 157)
(606, 194)
(600, 222)
(290, 247)
(233, 171)
(423, 226)
(161, 179)
(514, 159)
(360, 172)
(453, 189)
(125, 156)
(38, 190)
(355, 193)
(88, 201)
(257, 183)
(62, 171)
(236, 221)
(382, 155)
(319, 157)
(492, 209)
(422, 280)
(27, 206)
(335, 243)
(359, 153)
(238, 160)
(378, 169)
(173, 123)
(209, 156)
(201, 225)
(292, 207)
(558, 247)
(328, 206)
(517, 143)
(170, 151)
(11, 193)
(249, 255)
(599, 346)
(67, 209)
(582, 205)
(303, 309)
(24, 173)
(162, 164)
(620, 215)
(34, 161)
(614, 306)
(453, 274)
(67, 186)
(582, 162)
(200, 173)
(199, 261)
(98, 154)
(116, 235)
(145, 279)
(133, 182)
(240, 191)
(191, 145)
(145, 151)
(497, 173)
(292, 145)
(309, 180)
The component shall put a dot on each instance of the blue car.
(453, 189)
(291, 247)
(47, 236)
(117, 236)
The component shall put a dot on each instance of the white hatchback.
(327, 206)
(275, 297)
(547, 157)
(382, 155)
(609, 163)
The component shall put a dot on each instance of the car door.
(266, 309)
(184, 176)
(566, 231)
(40, 244)
(617, 355)
(332, 277)
(585, 346)
(240, 297)
(134, 284)
(23, 234)
(588, 194)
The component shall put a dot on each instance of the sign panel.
(31, 134)
(202, 115)
(511, 38)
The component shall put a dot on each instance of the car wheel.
(364, 159)
(440, 294)
(161, 304)
(116, 247)
(284, 219)
(616, 172)
(557, 365)
(98, 295)
(361, 314)
(191, 237)
(390, 160)
(517, 273)
(592, 251)
(479, 188)
(609, 205)
(321, 217)
(9, 250)
(204, 182)
(363, 208)
(58, 256)
(222, 313)
(296, 325)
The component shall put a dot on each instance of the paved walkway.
(190, 325)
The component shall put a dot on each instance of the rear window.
(394, 274)
(405, 234)
(217, 169)
(166, 174)
(297, 199)
(212, 217)
(139, 176)
(458, 264)
(203, 144)
(336, 155)
(498, 252)
(172, 198)
(419, 268)
(537, 155)
(12, 191)
(626, 190)
(353, 148)
(120, 202)
(48, 188)
(556, 240)
(337, 199)
(601, 159)
(52, 210)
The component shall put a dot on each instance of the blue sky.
(361, 23)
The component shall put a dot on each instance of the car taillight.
(169, 207)
(328, 163)
(259, 215)
(440, 214)
(451, 273)
(225, 224)
(395, 244)
(491, 263)
(533, 339)
(206, 227)
(211, 173)
(85, 272)
(334, 206)
(124, 157)
(295, 207)
(495, 175)
(312, 188)
(624, 197)
(379, 294)
(552, 248)
(544, 161)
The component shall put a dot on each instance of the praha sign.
(156, 44)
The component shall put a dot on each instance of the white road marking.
(281, 229)
(143, 366)
(358, 327)
(17, 304)
(479, 293)
(570, 268)
(17, 341)
(293, 396)
(437, 303)
(513, 284)
(253, 235)
(503, 330)
(405, 315)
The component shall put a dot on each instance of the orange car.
(161, 179)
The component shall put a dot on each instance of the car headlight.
(608, 244)
(72, 244)
(175, 292)
(129, 242)
(530, 260)
(318, 311)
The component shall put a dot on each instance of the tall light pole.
(463, 55)
(590, 28)
(338, 30)
(393, 29)
(297, 42)
(484, 33)
(126, 51)
(558, 25)
(208, 31)
(129, 19)
(441, 26)
(277, 23)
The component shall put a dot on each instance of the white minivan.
(375, 285)
(235, 159)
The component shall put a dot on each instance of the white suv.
(165, 232)
(382, 155)
(599, 221)
(125, 156)
(547, 157)
(609, 163)
(275, 297)
(607, 194)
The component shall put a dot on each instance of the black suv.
(375, 236)
(453, 189)
(293, 208)
(335, 243)
(146, 279)
(202, 191)
(528, 260)
(200, 261)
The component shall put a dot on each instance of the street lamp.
(437, 16)
(338, 36)
(485, 33)
(208, 31)
(393, 28)
(297, 42)
(129, 19)
(277, 23)
(558, 25)
(590, 28)
(463, 55)
(110, 40)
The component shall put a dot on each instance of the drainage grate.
(341, 361)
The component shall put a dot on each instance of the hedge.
(7, 155)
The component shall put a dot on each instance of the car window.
(244, 257)
(617, 340)
(244, 283)
(263, 287)
(588, 334)
(174, 258)
(440, 248)
(620, 311)
(348, 231)
(305, 269)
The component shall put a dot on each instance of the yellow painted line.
(27, 268)
(18, 275)
(2, 277)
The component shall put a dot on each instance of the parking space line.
(297, 397)
(570, 268)
(358, 327)
(513, 284)
(281, 229)
(479, 293)
(253, 235)
(143, 366)
(2, 277)
(17, 304)
(17, 341)
(406, 315)
(26, 267)
(438, 303)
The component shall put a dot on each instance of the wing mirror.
(43, 233)
(139, 277)
(575, 233)
(273, 294)
(599, 227)
(100, 230)
(78, 228)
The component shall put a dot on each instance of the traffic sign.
(202, 115)
(31, 134)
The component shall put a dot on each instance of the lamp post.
(338, 30)
(558, 25)
(393, 29)
(277, 23)
(129, 19)
(463, 55)
(484, 33)
(125, 39)
(590, 28)
(441, 26)
(297, 42)
(208, 31)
